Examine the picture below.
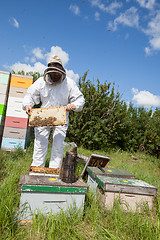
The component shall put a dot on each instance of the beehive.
(45, 194)
(4, 88)
(132, 193)
(16, 122)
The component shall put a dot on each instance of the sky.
(115, 41)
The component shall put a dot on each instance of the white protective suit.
(52, 96)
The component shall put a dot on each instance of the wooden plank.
(44, 170)
(48, 117)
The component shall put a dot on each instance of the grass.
(95, 222)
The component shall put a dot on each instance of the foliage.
(95, 222)
(107, 122)
(35, 75)
(95, 127)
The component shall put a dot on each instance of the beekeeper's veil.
(55, 73)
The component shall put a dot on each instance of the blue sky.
(117, 41)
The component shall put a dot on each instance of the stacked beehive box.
(4, 88)
(111, 184)
(16, 121)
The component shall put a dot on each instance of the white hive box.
(45, 194)
(17, 92)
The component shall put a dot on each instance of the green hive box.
(45, 194)
(93, 172)
(2, 109)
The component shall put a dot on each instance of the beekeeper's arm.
(76, 98)
(32, 97)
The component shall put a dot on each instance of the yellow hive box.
(21, 81)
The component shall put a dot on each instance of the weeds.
(94, 223)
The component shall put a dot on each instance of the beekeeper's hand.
(28, 109)
(70, 107)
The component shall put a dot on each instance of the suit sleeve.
(76, 97)
(32, 96)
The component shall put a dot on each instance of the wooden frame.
(48, 117)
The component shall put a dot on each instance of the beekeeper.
(54, 89)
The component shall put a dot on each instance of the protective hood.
(48, 78)
(54, 66)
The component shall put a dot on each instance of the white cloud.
(40, 67)
(153, 31)
(154, 26)
(37, 67)
(75, 9)
(56, 50)
(134, 91)
(128, 18)
(155, 43)
(14, 22)
(147, 51)
(109, 9)
(72, 75)
(149, 4)
(37, 52)
(145, 98)
(97, 16)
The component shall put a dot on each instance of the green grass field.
(95, 222)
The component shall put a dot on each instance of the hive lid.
(32, 183)
(110, 172)
(124, 185)
(96, 160)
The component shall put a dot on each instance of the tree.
(95, 126)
